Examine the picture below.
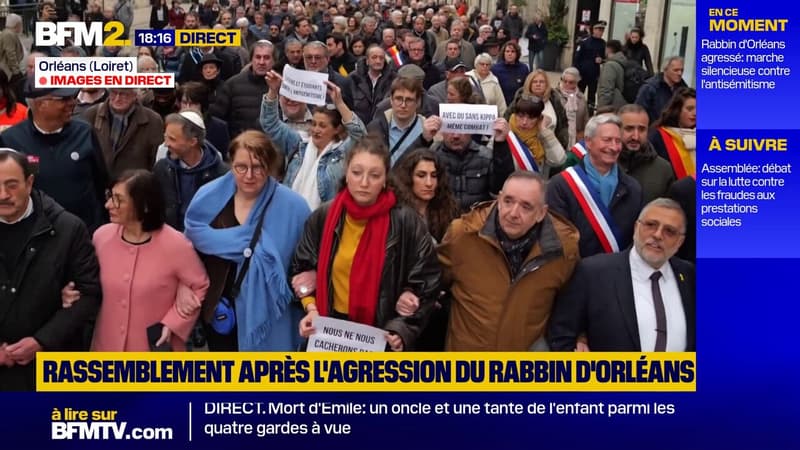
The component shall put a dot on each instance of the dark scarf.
(516, 250)
(365, 273)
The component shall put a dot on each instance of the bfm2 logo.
(82, 34)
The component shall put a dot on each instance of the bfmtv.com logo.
(105, 431)
(80, 34)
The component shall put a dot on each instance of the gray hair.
(571, 71)
(263, 43)
(188, 129)
(129, 52)
(340, 20)
(242, 22)
(145, 59)
(601, 119)
(320, 45)
(669, 60)
(532, 176)
(485, 28)
(483, 57)
(12, 20)
(666, 203)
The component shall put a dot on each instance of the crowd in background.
(229, 216)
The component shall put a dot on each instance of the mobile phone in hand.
(153, 335)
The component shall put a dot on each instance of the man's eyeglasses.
(241, 169)
(404, 100)
(116, 199)
(651, 226)
(313, 57)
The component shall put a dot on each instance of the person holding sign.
(313, 168)
(475, 171)
(532, 143)
(371, 254)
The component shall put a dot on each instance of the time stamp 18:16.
(187, 38)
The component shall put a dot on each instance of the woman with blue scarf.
(221, 221)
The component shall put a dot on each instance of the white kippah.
(193, 117)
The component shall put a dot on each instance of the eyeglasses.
(668, 231)
(116, 199)
(314, 57)
(404, 100)
(241, 169)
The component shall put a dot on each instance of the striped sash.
(394, 52)
(523, 158)
(579, 149)
(596, 213)
(679, 157)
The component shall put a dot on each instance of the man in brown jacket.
(129, 133)
(505, 261)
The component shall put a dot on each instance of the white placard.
(462, 118)
(304, 86)
(334, 335)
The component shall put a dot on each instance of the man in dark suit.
(642, 299)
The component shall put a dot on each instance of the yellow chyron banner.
(373, 372)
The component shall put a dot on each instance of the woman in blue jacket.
(314, 168)
(509, 71)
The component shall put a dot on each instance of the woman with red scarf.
(375, 259)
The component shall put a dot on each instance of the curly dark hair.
(671, 115)
(442, 209)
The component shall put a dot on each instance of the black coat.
(176, 197)
(599, 302)
(72, 169)
(477, 172)
(588, 49)
(59, 250)
(365, 97)
(625, 206)
(410, 264)
(239, 102)
(684, 191)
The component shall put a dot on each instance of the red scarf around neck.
(365, 274)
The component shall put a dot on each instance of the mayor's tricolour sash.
(522, 155)
(579, 149)
(593, 208)
(394, 52)
(679, 157)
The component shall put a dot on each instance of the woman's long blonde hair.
(529, 81)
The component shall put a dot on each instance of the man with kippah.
(190, 163)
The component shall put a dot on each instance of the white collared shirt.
(28, 212)
(645, 310)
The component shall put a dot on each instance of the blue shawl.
(264, 319)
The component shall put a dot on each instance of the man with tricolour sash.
(595, 194)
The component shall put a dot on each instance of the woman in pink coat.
(142, 262)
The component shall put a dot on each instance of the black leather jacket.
(410, 264)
